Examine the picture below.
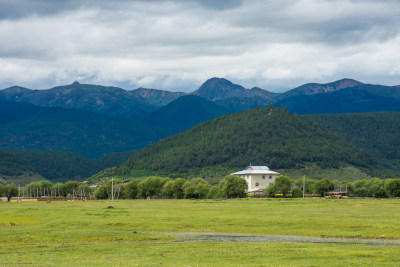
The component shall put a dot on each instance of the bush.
(104, 191)
(10, 190)
(214, 192)
(167, 190)
(369, 188)
(281, 185)
(233, 186)
(151, 187)
(297, 193)
(392, 187)
(309, 185)
(131, 189)
(323, 186)
(177, 187)
(197, 188)
(70, 187)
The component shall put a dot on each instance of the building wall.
(253, 179)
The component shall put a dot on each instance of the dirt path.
(218, 237)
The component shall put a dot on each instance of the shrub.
(131, 189)
(392, 187)
(197, 188)
(214, 192)
(281, 185)
(233, 186)
(323, 186)
(177, 187)
(104, 191)
(167, 190)
(297, 193)
(151, 186)
(10, 190)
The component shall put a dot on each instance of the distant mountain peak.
(219, 88)
(318, 88)
(76, 83)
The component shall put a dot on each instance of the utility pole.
(19, 190)
(112, 189)
(304, 181)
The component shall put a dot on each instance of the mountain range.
(94, 120)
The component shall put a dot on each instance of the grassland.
(149, 232)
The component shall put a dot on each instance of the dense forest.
(24, 166)
(378, 133)
(345, 100)
(262, 136)
(25, 126)
(185, 112)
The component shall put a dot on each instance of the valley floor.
(239, 232)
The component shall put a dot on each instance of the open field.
(175, 232)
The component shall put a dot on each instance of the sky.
(177, 45)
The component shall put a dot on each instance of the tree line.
(159, 187)
(375, 187)
(230, 186)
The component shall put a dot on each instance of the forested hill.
(277, 138)
(25, 126)
(185, 112)
(24, 166)
(378, 133)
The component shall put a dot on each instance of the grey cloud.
(178, 44)
(13, 9)
(322, 21)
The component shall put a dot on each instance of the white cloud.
(177, 45)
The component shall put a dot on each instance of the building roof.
(256, 170)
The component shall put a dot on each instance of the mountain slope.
(24, 166)
(216, 89)
(342, 101)
(185, 112)
(157, 97)
(278, 139)
(111, 101)
(378, 133)
(316, 88)
(84, 132)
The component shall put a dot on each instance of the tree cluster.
(158, 187)
(375, 187)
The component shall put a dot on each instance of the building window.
(270, 177)
(256, 184)
(263, 177)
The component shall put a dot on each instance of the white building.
(257, 177)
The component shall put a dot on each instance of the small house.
(258, 178)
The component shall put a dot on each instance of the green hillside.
(342, 101)
(185, 112)
(378, 133)
(278, 139)
(88, 133)
(24, 166)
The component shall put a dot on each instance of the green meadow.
(160, 232)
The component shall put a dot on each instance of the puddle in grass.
(212, 237)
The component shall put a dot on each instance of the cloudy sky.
(177, 45)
